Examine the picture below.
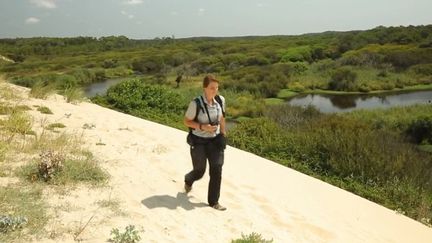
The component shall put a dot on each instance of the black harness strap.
(206, 109)
(200, 107)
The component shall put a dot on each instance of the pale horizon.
(148, 19)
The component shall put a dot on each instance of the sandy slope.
(147, 162)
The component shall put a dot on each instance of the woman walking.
(205, 117)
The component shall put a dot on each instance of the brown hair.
(209, 78)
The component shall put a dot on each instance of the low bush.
(50, 163)
(26, 212)
(343, 79)
(18, 123)
(44, 110)
(53, 126)
(131, 235)
(56, 169)
(251, 238)
(420, 129)
(41, 90)
(11, 223)
(153, 102)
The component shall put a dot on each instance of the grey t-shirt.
(215, 112)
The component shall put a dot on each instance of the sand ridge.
(147, 162)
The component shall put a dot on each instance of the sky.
(148, 19)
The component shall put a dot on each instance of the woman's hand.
(209, 128)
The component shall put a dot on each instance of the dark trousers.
(200, 153)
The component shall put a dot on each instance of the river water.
(101, 87)
(324, 102)
(344, 103)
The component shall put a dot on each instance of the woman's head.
(210, 85)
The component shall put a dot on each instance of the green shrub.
(82, 170)
(3, 150)
(18, 122)
(403, 59)
(151, 64)
(422, 69)
(286, 93)
(58, 170)
(290, 117)
(52, 126)
(135, 95)
(6, 109)
(251, 238)
(130, 235)
(73, 94)
(110, 63)
(420, 129)
(297, 54)
(24, 81)
(256, 59)
(85, 75)
(258, 135)
(153, 102)
(41, 90)
(265, 81)
(65, 81)
(296, 87)
(242, 104)
(44, 110)
(343, 79)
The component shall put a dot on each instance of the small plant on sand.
(3, 150)
(7, 109)
(6, 92)
(52, 126)
(44, 110)
(41, 91)
(11, 223)
(22, 212)
(18, 123)
(59, 169)
(88, 126)
(73, 95)
(129, 236)
(51, 163)
(251, 238)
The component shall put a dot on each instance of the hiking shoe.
(187, 188)
(219, 207)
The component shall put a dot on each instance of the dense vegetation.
(369, 155)
(383, 155)
(378, 59)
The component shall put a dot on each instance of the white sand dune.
(147, 162)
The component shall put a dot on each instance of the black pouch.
(220, 141)
(190, 139)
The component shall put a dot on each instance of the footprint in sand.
(269, 211)
(275, 217)
(228, 184)
(309, 230)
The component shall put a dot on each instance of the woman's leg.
(216, 160)
(199, 161)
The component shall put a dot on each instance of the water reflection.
(342, 103)
(101, 87)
